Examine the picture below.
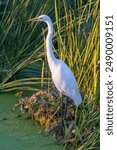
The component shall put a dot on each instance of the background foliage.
(23, 63)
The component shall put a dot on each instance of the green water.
(18, 133)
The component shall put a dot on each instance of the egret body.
(62, 75)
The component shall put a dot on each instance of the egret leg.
(62, 109)
(65, 113)
(78, 108)
(76, 115)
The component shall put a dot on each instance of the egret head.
(44, 18)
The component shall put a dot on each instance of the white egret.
(62, 75)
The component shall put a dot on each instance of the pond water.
(18, 133)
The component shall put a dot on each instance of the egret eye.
(40, 18)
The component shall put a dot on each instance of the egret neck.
(50, 55)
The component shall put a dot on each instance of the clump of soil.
(46, 109)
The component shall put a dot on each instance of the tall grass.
(23, 63)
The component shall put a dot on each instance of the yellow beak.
(34, 19)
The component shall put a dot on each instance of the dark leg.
(62, 109)
(78, 109)
(66, 103)
(76, 115)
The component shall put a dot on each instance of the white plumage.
(62, 76)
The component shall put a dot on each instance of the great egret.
(62, 76)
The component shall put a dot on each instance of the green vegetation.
(23, 64)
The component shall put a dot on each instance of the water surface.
(18, 133)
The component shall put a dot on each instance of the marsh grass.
(23, 63)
